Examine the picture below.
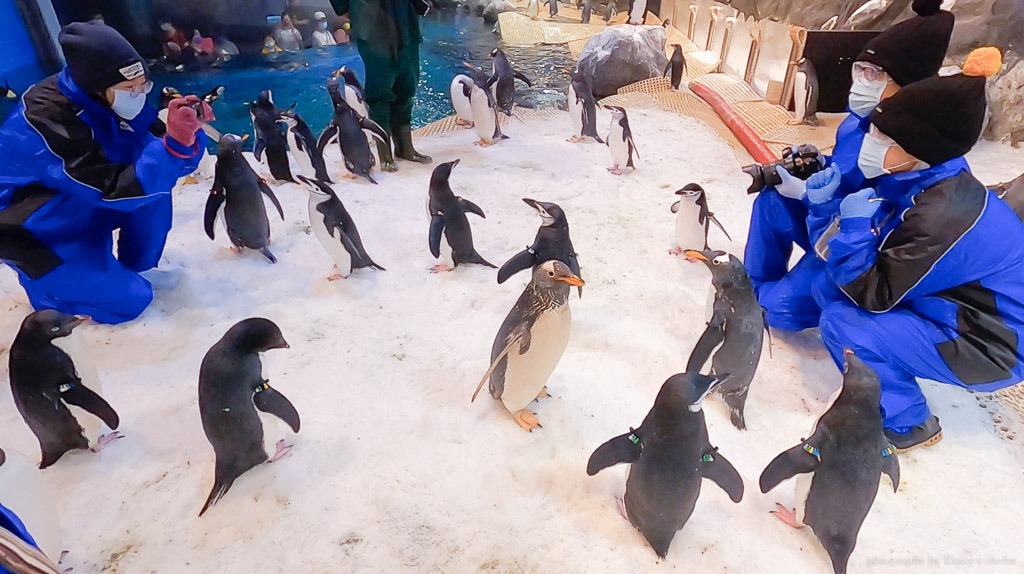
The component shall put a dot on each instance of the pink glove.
(182, 121)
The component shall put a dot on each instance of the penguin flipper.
(87, 399)
(273, 198)
(723, 473)
(713, 219)
(521, 337)
(675, 207)
(213, 204)
(375, 130)
(261, 144)
(618, 450)
(891, 467)
(525, 259)
(471, 207)
(787, 465)
(522, 77)
(271, 401)
(668, 69)
(436, 231)
(266, 253)
(712, 337)
(325, 138)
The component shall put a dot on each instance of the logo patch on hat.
(133, 71)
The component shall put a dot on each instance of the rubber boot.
(387, 161)
(403, 145)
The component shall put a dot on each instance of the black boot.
(387, 161)
(927, 433)
(403, 145)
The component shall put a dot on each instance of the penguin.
(582, 108)
(45, 381)
(838, 467)
(693, 219)
(30, 499)
(735, 332)
(303, 145)
(588, 9)
(552, 8)
(637, 11)
(447, 213)
(351, 129)
(533, 9)
(805, 95)
(611, 11)
(270, 136)
(552, 242)
(485, 110)
(830, 24)
(355, 95)
(669, 456)
(235, 199)
(503, 79)
(231, 389)
(531, 341)
(461, 90)
(334, 228)
(620, 141)
(677, 66)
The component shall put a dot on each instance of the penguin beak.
(713, 383)
(571, 280)
(245, 137)
(78, 320)
(696, 255)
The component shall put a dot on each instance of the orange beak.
(695, 254)
(571, 280)
(245, 137)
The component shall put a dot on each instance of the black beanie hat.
(940, 118)
(913, 49)
(98, 56)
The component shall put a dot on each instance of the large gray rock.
(1006, 104)
(623, 55)
(495, 7)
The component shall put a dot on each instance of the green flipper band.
(707, 458)
(813, 451)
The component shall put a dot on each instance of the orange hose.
(752, 142)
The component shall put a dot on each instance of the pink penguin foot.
(282, 449)
(786, 515)
(236, 250)
(615, 170)
(483, 143)
(677, 251)
(440, 268)
(335, 277)
(574, 139)
(106, 440)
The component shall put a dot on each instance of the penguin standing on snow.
(552, 8)
(533, 9)
(734, 334)
(531, 341)
(484, 107)
(231, 389)
(237, 200)
(351, 130)
(270, 136)
(677, 66)
(620, 141)
(805, 94)
(461, 92)
(334, 228)
(588, 8)
(31, 503)
(582, 108)
(637, 11)
(447, 213)
(302, 144)
(552, 242)
(670, 455)
(503, 79)
(45, 381)
(693, 219)
(610, 11)
(838, 467)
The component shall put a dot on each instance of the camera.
(802, 161)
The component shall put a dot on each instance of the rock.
(496, 7)
(1006, 104)
(621, 56)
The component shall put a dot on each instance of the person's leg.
(776, 223)
(401, 109)
(789, 303)
(102, 289)
(381, 73)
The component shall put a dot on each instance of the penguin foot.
(282, 449)
(106, 440)
(786, 515)
(676, 251)
(235, 249)
(574, 139)
(191, 180)
(526, 419)
(464, 123)
(440, 268)
(793, 122)
(544, 394)
(483, 143)
(335, 277)
(349, 176)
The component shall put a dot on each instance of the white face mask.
(872, 158)
(864, 96)
(128, 105)
(323, 25)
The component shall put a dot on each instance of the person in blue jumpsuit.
(19, 553)
(910, 51)
(931, 266)
(79, 162)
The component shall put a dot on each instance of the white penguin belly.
(332, 245)
(26, 493)
(533, 8)
(526, 375)
(636, 15)
(86, 369)
(273, 430)
(352, 99)
(301, 157)
(618, 147)
(463, 107)
(446, 252)
(483, 115)
(803, 488)
(689, 231)
(576, 113)
(800, 96)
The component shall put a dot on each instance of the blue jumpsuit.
(72, 174)
(10, 522)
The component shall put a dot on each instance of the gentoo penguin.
(531, 341)
(447, 213)
(236, 200)
(461, 90)
(669, 456)
(485, 109)
(351, 130)
(335, 229)
(677, 66)
(735, 332)
(302, 144)
(552, 242)
(270, 136)
(637, 11)
(45, 380)
(805, 94)
(27, 497)
(231, 389)
(503, 79)
(620, 141)
(533, 9)
(582, 108)
(552, 8)
(838, 467)
(693, 219)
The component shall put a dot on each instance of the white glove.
(791, 186)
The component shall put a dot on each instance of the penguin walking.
(503, 80)
(676, 66)
(588, 9)
(637, 11)
(531, 341)
(334, 228)
(735, 333)
(351, 130)
(552, 9)
(582, 108)
(29, 499)
(447, 213)
(236, 199)
(805, 95)
(303, 146)
(669, 456)
(484, 107)
(231, 389)
(693, 219)
(838, 467)
(270, 137)
(552, 242)
(45, 381)
(620, 141)
(533, 9)
(461, 91)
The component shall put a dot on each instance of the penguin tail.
(266, 253)
(477, 259)
(218, 492)
(369, 178)
(736, 403)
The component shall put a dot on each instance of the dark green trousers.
(391, 82)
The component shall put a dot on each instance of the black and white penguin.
(552, 8)
(270, 136)
(237, 200)
(447, 213)
(45, 380)
(503, 80)
(552, 242)
(461, 90)
(669, 456)
(334, 228)
(355, 94)
(533, 9)
(31, 500)
(588, 9)
(485, 108)
(611, 11)
(351, 130)
(637, 11)
(735, 333)
(582, 108)
(620, 141)
(302, 144)
(676, 66)
(231, 389)
(531, 341)
(693, 219)
(805, 94)
(838, 467)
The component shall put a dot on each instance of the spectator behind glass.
(174, 44)
(322, 35)
(300, 16)
(289, 38)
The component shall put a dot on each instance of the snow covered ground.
(396, 471)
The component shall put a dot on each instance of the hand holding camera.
(800, 161)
